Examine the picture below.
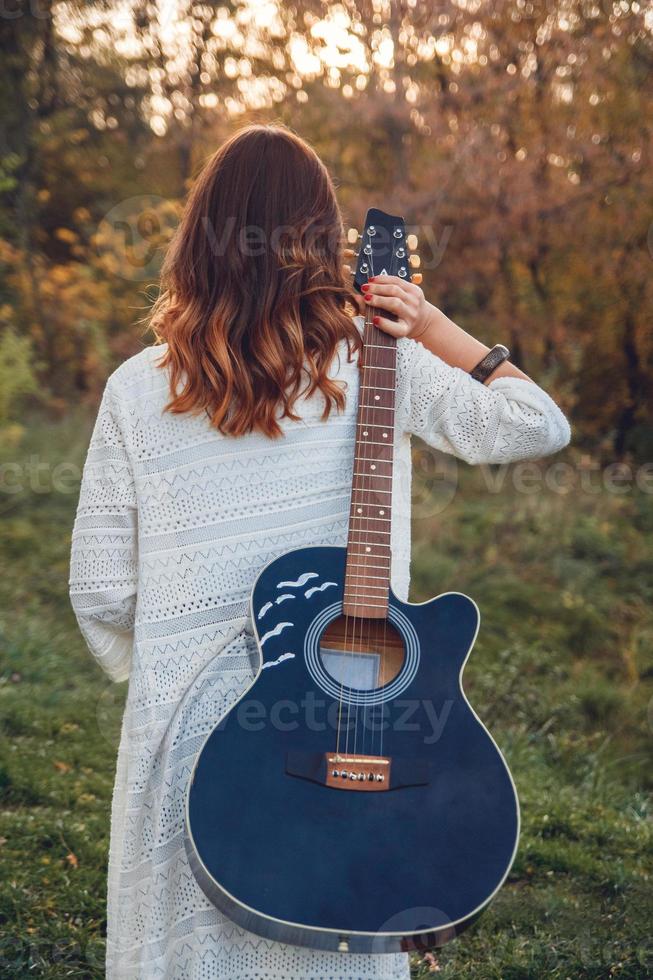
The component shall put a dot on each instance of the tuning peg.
(415, 261)
(353, 236)
(417, 278)
(347, 269)
(412, 242)
(350, 253)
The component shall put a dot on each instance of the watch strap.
(490, 362)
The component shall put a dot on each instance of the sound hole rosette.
(350, 695)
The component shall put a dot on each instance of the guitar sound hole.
(362, 654)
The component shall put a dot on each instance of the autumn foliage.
(514, 135)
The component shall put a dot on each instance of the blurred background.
(515, 137)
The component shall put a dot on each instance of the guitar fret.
(364, 605)
(371, 442)
(352, 550)
(369, 490)
(373, 476)
(377, 367)
(377, 388)
(360, 595)
(356, 555)
(358, 564)
(370, 585)
(381, 578)
(367, 517)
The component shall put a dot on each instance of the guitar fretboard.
(367, 578)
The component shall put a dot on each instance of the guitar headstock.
(384, 248)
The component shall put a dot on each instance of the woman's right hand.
(404, 299)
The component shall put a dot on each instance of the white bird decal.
(279, 660)
(275, 632)
(268, 605)
(318, 588)
(302, 580)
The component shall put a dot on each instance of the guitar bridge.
(365, 773)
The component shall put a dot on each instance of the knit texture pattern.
(174, 523)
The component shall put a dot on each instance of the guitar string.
(368, 458)
(372, 360)
(391, 398)
(354, 531)
(363, 522)
(388, 345)
(371, 335)
(392, 345)
(365, 460)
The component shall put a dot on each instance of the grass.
(562, 674)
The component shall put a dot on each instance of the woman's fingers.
(391, 300)
(396, 328)
(389, 284)
(397, 296)
(387, 292)
(393, 287)
(393, 304)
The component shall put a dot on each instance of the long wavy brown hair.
(254, 299)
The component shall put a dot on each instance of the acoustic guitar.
(351, 799)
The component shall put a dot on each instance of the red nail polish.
(371, 278)
(376, 320)
(367, 298)
(365, 287)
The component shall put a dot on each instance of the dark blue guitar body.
(298, 861)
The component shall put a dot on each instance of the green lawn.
(562, 674)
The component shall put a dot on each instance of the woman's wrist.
(425, 323)
(444, 338)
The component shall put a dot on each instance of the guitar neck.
(367, 578)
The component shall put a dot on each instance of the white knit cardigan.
(174, 523)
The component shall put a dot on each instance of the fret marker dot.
(368, 549)
(385, 435)
(373, 466)
(377, 398)
(381, 512)
(365, 432)
(359, 510)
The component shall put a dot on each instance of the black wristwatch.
(490, 363)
